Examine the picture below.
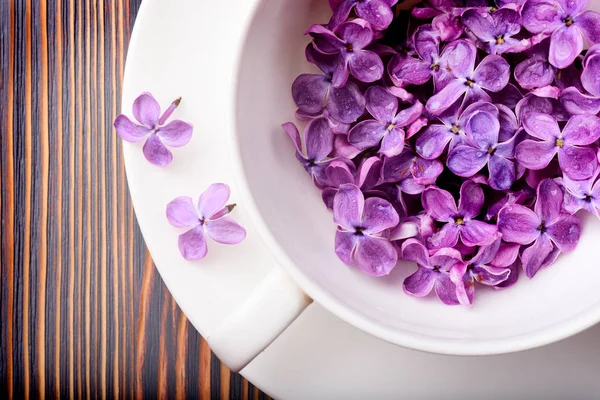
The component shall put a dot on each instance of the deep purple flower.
(377, 12)
(151, 127)
(363, 226)
(491, 74)
(431, 143)
(548, 228)
(569, 24)
(209, 217)
(582, 195)
(314, 93)
(459, 222)
(495, 30)
(488, 267)
(433, 271)
(573, 99)
(318, 141)
(483, 148)
(410, 172)
(387, 125)
(576, 158)
(348, 41)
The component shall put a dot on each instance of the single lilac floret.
(209, 217)
(582, 195)
(495, 29)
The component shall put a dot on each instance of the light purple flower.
(151, 127)
(433, 271)
(314, 93)
(363, 226)
(581, 195)
(377, 12)
(459, 222)
(483, 148)
(410, 172)
(495, 30)
(576, 158)
(318, 141)
(548, 228)
(567, 22)
(491, 74)
(210, 217)
(573, 99)
(433, 141)
(348, 41)
(387, 125)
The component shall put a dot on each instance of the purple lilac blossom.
(549, 228)
(151, 127)
(581, 195)
(208, 217)
(573, 99)
(495, 30)
(377, 12)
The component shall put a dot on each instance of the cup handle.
(269, 310)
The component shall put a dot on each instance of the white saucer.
(187, 48)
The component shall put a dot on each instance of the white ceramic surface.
(182, 59)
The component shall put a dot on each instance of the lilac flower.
(482, 268)
(151, 127)
(569, 24)
(318, 140)
(432, 142)
(548, 228)
(576, 158)
(348, 42)
(410, 172)
(582, 195)
(313, 93)
(491, 74)
(433, 271)
(459, 222)
(210, 217)
(573, 99)
(446, 18)
(481, 149)
(495, 30)
(387, 125)
(363, 226)
(377, 12)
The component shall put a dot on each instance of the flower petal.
(292, 131)
(502, 173)
(309, 92)
(338, 173)
(590, 77)
(356, 32)
(433, 141)
(156, 152)
(392, 143)
(576, 102)
(471, 199)
(343, 148)
(130, 131)
(213, 199)
(366, 66)
(414, 250)
(541, 126)
(439, 204)
(425, 172)
(533, 73)
(549, 201)
(459, 58)
(578, 163)
(507, 254)
(341, 12)
(491, 276)
(366, 134)
(192, 244)
(346, 104)
(345, 244)
(348, 206)
(369, 172)
(518, 224)
(539, 255)
(446, 289)
(318, 138)
(589, 23)
(420, 283)
(176, 133)
(427, 43)
(478, 233)
(409, 115)
(535, 155)
(378, 215)
(182, 213)
(486, 254)
(541, 16)
(146, 110)
(492, 73)
(381, 104)
(582, 130)
(565, 45)
(507, 21)
(465, 286)
(444, 238)
(565, 232)
(409, 70)
(376, 12)
(375, 256)
(466, 161)
(445, 98)
(225, 230)
(481, 24)
(482, 129)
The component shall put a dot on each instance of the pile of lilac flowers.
(465, 143)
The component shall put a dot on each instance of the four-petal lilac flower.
(495, 30)
(433, 272)
(549, 228)
(576, 158)
(567, 22)
(582, 195)
(146, 111)
(209, 217)
(363, 226)
(387, 125)
(377, 12)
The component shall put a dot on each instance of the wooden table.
(84, 311)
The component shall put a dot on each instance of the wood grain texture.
(83, 310)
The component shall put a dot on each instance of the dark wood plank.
(84, 311)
